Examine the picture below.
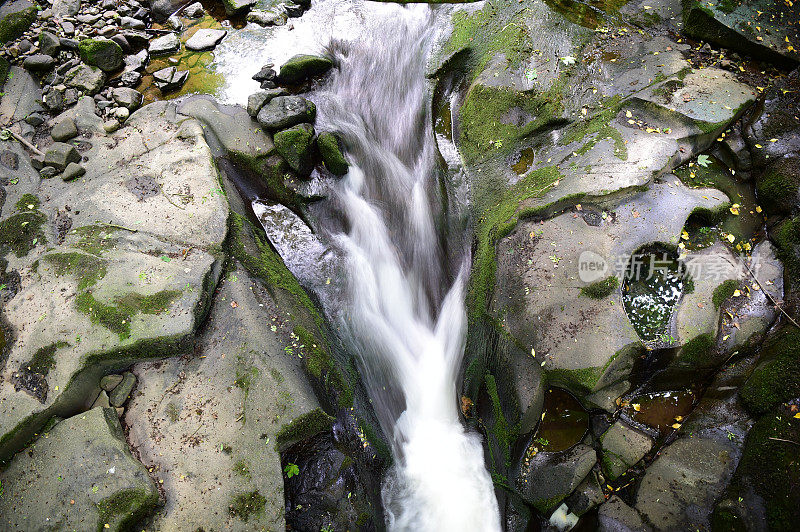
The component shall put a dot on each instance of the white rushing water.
(404, 316)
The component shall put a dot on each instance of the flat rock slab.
(80, 475)
(205, 39)
(679, 489)
(763, 28)
(547, 478)
(209, 424)
(129, 280)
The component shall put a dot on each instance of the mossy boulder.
(15, 23)
(765, 485)
(330, 150)
(778, 187)
(81, 475)
(303, 66)
(297, 146)
(105, 54)
(238, 7)
(776, 379)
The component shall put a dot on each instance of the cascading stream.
(404, 313)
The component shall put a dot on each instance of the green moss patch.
(779, 185)
(698, 351)
(95, 239)
(776, 379)
(769, 467)
(126, 508)
(23, 231)
(599, 128)
(15, 24)
(43, 359)
(723, 292)
(787, 238)
(248, 504)
(118, 318)
(601, 289)
(301, 428)
(87, 269)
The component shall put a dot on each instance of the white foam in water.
(405, 316)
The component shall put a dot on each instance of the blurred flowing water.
(404, 314)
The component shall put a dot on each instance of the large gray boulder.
(79, 475)
(86, 78)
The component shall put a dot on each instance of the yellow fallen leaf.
(676, 425)
(736, 293)
(628, 114)
(636, 406)
(731, 239)
(678, 418)
(758, 208)
(797, 415)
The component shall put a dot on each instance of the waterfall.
(403, 314)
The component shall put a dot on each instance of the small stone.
(34, 119)
(121, 114)
(102, 400)
(194, 10)
(122, 42)
(120, 394)
(137, 61)
(236, 7)
(269, 17)
(165, 45)
(37, 161)
(175, 23)
(128, 98)
(64, 130)
(73, 171)
(109, 382)
(132, 23)
(47, 172)
(111, 126)
(38, 63)
(59, 155)
(267, 73)
(256, 101)
(68, 27)
(292, 9)
(87, 78)
(53, 100)
(170, 79)
(48, 43)
(302, 67)
(205, 39)
(130, 79)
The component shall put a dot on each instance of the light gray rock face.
(23, 96)
(122, 294)
(215, 419)
(79, 475)
(205, 39)
(257, 100)
(164, 45)
(286, 111)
